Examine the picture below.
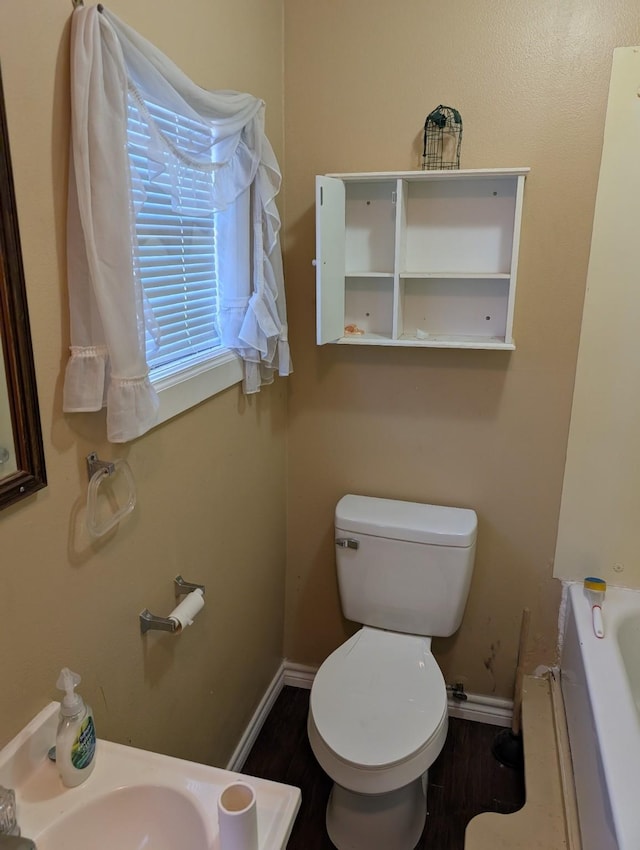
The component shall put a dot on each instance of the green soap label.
(84, 746)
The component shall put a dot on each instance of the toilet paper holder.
(168, 624)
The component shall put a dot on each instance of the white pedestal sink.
(133, 800)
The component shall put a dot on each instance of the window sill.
(194, 385)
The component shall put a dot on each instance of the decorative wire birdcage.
(442, 139)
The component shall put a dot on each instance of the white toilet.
(378, 707)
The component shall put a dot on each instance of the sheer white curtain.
(109, 63)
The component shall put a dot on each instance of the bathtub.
(601, 688)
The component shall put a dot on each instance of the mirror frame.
(16, 342)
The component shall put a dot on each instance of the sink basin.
(133, 799)
(142, 817)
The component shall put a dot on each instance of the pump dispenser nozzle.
(71, 702)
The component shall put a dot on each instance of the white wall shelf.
(418, 258)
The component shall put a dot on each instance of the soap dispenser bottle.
(76, 736)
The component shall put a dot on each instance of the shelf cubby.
(425, 258)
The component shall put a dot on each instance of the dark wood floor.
(464, 781)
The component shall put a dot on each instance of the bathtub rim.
(609, 694)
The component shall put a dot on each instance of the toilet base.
(390, 821)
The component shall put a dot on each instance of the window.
(209, 269)
(182, 250)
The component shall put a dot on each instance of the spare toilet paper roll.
(238, 818)
(185, 612)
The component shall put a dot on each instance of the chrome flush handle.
(347, 543)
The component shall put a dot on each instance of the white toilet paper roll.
(238, 818)
(185, 612)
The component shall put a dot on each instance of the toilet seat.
(378, 706)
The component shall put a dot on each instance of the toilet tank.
(404, 566)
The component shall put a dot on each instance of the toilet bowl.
(390, 727)
(378, 705)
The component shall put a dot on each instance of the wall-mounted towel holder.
(182, 615)
(99, 471)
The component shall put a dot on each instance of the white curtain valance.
(109, 63)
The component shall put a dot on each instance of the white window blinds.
(176, 248)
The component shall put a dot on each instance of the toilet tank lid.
(411, 521)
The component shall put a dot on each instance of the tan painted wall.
(482, 429)
(598, 530)
(202, 478)
(485, 430)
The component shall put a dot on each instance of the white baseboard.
(289, 673)
(256, 723)
(481, 709)
(298, 675)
